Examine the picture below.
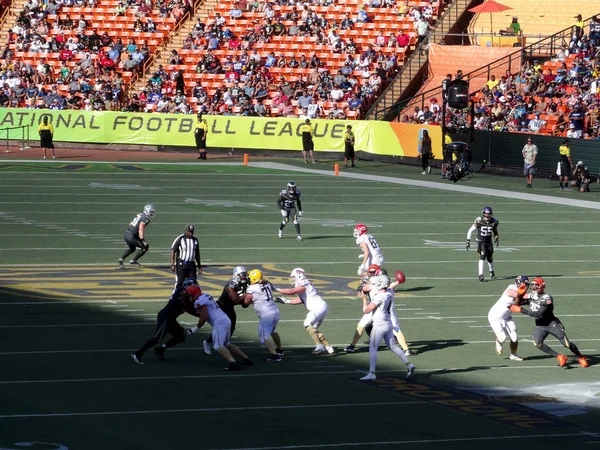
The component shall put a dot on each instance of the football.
(400, 276)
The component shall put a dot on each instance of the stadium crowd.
(560, 97)
(89, 71)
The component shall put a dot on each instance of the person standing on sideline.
(185, 256)
(135, 236)
(529, 153)
(380, 305)
(308, 145)
(426, 152)
(46, 131)
(486, 226)
(287, 206)
(349, 146)
(564, 165)
(200, 135)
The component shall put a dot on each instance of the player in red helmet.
(371, 251)
(541, 307)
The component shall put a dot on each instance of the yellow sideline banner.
(382, 138)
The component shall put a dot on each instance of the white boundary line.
(551, 366)
(411, 441)
(209, 410)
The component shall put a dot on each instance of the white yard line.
(371, 444)
(210, 410)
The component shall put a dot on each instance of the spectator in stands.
(236, 12)
(537, 124)
(362, 16)
(578, 30)
(594, 33)
(576, 121)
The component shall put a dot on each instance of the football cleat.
(515, 357)
(583, 362)
(562, 360)
(280, 351)
(480, 277)
(159, 352)
(273, 358)
(350, 349)
(137, 359)
(410, 369)
(329, 349)
(319, 350)
(247, 362)
(133, 262)
(120, 261)
(359, 230)
(498, 348)
(234, 366)
(298, 238)
(369, 377)
(280, 234)
(207, 349)
(493, 275)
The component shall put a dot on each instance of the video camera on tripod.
(457, 161)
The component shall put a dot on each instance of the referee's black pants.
(185, 270)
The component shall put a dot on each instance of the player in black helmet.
(135, 236)
(486, 226)
(288, 198)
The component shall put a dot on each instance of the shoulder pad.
(282, 193)
(478, 220)
(297, 192)
(547, 299)
(494, 220)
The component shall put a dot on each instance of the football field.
(69, 317)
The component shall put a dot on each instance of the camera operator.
(581, 176)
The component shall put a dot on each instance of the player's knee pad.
(284, 223)
(501, 337)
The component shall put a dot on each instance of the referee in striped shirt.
(185, 256)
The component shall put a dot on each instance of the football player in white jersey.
(210, 312)
(317, 308)
(371, 250)
(500, 317)
(381, 305)
(260, 295)
(367, 319)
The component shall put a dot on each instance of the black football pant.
(164, 325)
(185, 271)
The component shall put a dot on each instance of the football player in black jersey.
(166, 323)
(287, 206)
(135, 236)
(486, 226)
(541, 307)
(233, 294)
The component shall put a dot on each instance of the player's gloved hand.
(199, 270)
(284, 213)
(497, 241)
(468, 244)
(145, 244)
(515, 308)
(299, 213)
(280, 300)
(522, 289)
(361, 269)
(190, 331)
(361, 256)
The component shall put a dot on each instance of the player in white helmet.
(135, 236)
(381, 304)
(307, 295)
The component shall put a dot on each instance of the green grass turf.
(69, 317)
